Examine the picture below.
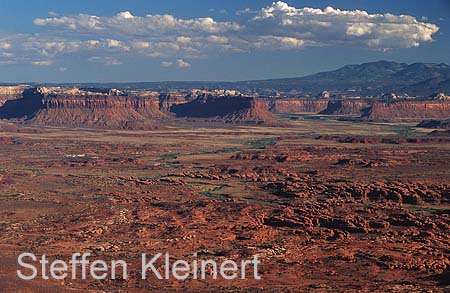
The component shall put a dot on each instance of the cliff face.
(345, 107)
(83, 110)
(299, 105)
(10, 93)
(409, 109)
(227, 108)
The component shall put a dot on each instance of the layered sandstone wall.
(409, 109)
(299, 105)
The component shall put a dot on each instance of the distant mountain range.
(372, 78)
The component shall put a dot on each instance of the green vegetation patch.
(434, 210)
(211, 192)
(263, 142)
(171, 156)
(219, 151)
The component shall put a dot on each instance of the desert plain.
(364, 210)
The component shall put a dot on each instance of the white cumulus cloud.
(42, 62)
(279, 26)
(352, 28)
(105, 60)
(5, 46)
(127, 23)
(178, 63)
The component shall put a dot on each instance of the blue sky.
(146, 40)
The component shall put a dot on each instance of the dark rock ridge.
(373, 78)
(444, 124)
(440, 133)
(296, 105)
(225, 108)
(408, 109)
(94, 110)
(345, 107)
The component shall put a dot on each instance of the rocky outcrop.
(408, 109)
(345, 107)
(231, 109)
(299, 105)
(10, 93)
(94, 110)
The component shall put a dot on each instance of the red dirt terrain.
(343, 213)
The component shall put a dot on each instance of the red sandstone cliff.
(409, 109)
(299, 105)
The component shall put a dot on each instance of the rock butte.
(227, 109)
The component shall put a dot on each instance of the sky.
(159, 40)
